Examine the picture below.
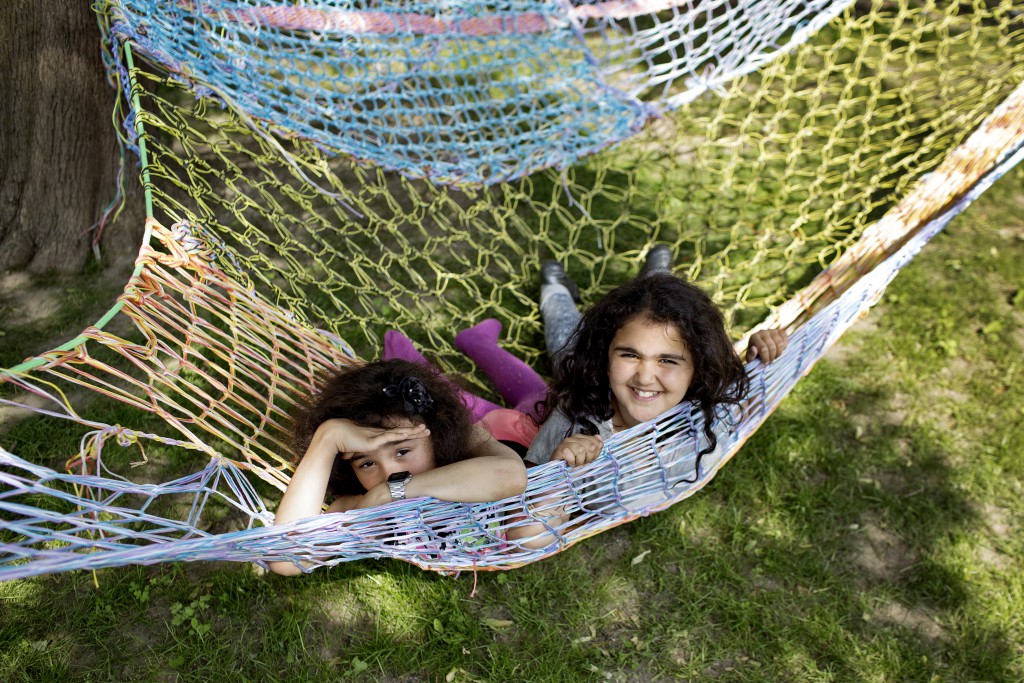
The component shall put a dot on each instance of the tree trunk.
(59, 159)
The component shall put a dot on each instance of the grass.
(54, 308)
(869, 531)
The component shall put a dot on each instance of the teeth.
(645, 394)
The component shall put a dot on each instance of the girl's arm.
(304, 496)
(494, 472)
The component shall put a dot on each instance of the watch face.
(399, 476)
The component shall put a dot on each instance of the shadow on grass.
(828, 544)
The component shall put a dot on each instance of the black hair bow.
(415, 398)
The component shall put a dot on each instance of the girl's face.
(649, 370)
(412, 455)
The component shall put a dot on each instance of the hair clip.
(416, 399)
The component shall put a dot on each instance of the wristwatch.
(397, 483)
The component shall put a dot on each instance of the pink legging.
(516, 381)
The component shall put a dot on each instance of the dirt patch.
(343, 619)
(944, 420)
(635, 675)
(1013, 231)
(501, 622)
(26, 406)
(997, 519)
(615, 545)
(729, 666)
(40, 313)
(993, 558)
(28, 301)
(894, 413)
(948, 395)
(622, 602)
(881, 415)
(880, 553)
(912, 618)
(863, 424)
(766, 583)
(960, 367)
(419, 678)
(32, 298)
(849, 344)
(897, 483)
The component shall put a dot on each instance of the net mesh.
(321, 173)
(462, 92)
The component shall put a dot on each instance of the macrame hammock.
(319, 172)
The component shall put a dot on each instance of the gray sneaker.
(659, 259)
(552, 273)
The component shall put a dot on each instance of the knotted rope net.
(320, 172)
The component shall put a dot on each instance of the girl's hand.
(345, 436)
(378, 495)
(578, 449)
(767, 345)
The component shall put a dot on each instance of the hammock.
(318, 173)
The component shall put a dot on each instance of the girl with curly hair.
(389, 430)
(638, 352)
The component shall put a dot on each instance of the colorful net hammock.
(319, 172)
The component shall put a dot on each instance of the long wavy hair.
(581, 389)
(357, 393)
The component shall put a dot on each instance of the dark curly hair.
(357, 393)
(580, 387)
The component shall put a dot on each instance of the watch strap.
(397, 486)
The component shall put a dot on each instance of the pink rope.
(307, 19)
(385, 23)
(622, 9)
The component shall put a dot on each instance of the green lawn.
(870, 531)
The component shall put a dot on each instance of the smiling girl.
(635, 354)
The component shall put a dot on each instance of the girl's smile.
(649, 371)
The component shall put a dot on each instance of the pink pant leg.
(397, 345)
(516, 381)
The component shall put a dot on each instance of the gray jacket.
(553, 431)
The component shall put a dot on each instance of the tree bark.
(59, 156)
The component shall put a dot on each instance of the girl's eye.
(668, 361)
(365, 465)
(402, 452)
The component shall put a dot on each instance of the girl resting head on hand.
(387, 395)
(390, 430)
